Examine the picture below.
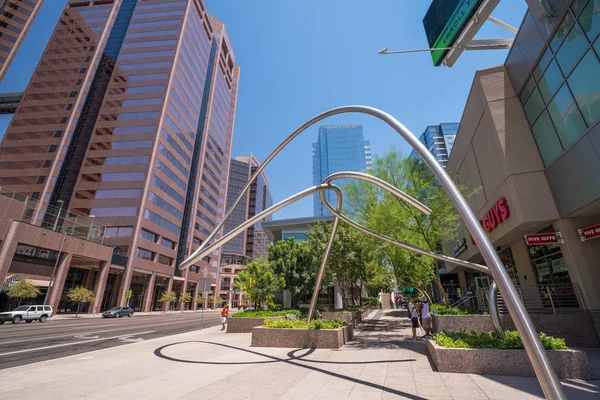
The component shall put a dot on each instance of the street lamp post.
(55, 266)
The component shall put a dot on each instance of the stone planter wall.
(577, 329)
(569, 364)
(245, 325)
(351, 317)
(301, 338)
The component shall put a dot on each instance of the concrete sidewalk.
(210, 364)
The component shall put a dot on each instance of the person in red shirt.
(224, 315)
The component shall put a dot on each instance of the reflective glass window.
(142, 102)
(144, 234)
(138, 115)
(145, 254)
(118, 231)
(118, 194)
(146, 89)
(164, 53)
(172, 159)
(144, 6)
(585, 89)
(550, 81)
(165, 260)
(126, 130)
(153, 43)
(167, 243)
(527, 90)
(534, 106)
(159, 14)
(597, 46)
(572, 49)
(161, 166)
(163, 64)
(160, 221)
(132, 144)
(114, 211)
(566, 117)
(546, 139)
(562, 31)
(165, 205)
(147, 77)
(590, 19)
(122, 176)
(153, 33)
(126, 160)
(162, 185)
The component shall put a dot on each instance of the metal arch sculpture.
(539, 359)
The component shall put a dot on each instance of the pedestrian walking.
(414, 316)
(426, 321)
(224, 316)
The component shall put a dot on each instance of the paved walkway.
(210, 364)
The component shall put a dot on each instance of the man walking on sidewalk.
(224, 315)
(414, 316)
(425, 317)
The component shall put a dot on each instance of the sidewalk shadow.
(292, 359)
(574, 389)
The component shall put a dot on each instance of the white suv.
(27, 314)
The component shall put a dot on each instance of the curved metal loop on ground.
(494, 312)
(539, 359)
(258, 217)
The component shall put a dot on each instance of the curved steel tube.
(252, 221)
(494, 313)
(539, 359)
(495, 316)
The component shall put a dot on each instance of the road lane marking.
(70, 344)
(86, 336)
(95, 332)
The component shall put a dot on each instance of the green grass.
(301, 324)
(479, 340)
(265, 313)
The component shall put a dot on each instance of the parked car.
(118, 312)
(27, 314)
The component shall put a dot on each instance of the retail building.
(529, 141)
(127, 121)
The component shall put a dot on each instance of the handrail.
(462, 301)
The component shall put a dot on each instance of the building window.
(111, 231)
(560, 98)
(165, 260)
(167, 243)
(144, 234)
(145, 254)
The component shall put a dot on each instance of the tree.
(186, 298)
(167, 297)
(79, 295)
(378, 277)
(382, 212)
(200, 299)
(349, 254)
(23, 289)
(260, 282)
(294, 262)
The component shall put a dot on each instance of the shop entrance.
(555, 285)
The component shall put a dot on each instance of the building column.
(89, 279)
(231, 292)
(182, 294)
(195, 296)
(100, 287)
(125, 282)
(167, 304)
(58, 282)
(7, 250)
(149, 293)
(462, 282)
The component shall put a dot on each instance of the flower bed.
(485, 353)
(321, 334)
(243, 322)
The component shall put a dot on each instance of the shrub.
(301, 324)
(479, 340)
(265, 314)
(440, 309)
(370, 301)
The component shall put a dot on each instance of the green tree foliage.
(80, 295)
(167, 297)
(186, 298)
(260, 282)
(293, 261)
(378, 278)
(23, 289)
(348, 258)
(382, 212)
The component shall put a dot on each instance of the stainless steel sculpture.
(546, 375)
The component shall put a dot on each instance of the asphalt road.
(29, 343)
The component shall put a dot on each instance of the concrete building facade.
(529, 141)
(128, 119)
(16, 17)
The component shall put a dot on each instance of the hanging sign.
(543, 238)
(591, 232)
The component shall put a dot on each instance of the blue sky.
(300, 58)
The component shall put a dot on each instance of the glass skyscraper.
(439, 140)
(128, 119)
(338, 148)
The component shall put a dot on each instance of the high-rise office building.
(16, 17)
(253, 243)
(128, 119)
(439, 140)
(338, 148)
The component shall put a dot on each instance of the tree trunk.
(443, 292)
(77, 312)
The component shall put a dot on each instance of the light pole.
(55, 266)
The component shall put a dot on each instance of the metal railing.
(539, 298)
(56, 219)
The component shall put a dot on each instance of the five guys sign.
(493, 218)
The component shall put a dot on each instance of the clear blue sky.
(300, 58)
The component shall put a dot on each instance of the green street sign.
(128, 294)
(445, 21)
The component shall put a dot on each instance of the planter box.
(569, 364)
(301, 338)
(351, 317)
(577, 329)
(245, 325)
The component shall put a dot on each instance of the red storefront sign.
(543, 238)
(591, 232)
(494, 217)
